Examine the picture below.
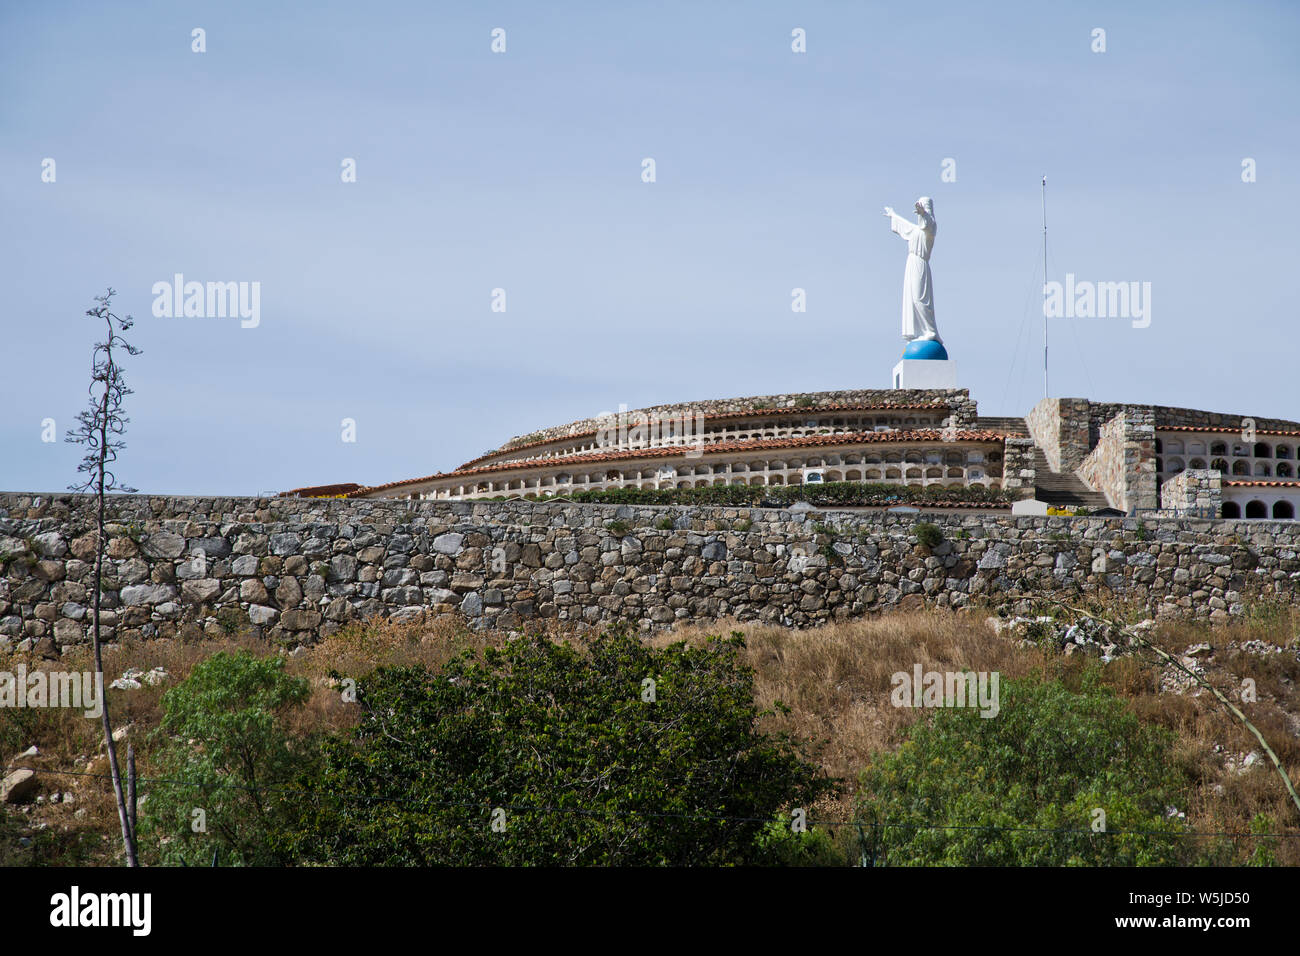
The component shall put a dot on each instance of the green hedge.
(828, 494)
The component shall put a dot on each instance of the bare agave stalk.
(98, 429)
(1168, 658)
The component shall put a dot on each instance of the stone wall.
(1122, 465)
(1018, 470)
(1167, 417)
(295, 570)
(1198, 490)
(1060, 426)
(958, 399)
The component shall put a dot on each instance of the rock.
(121, 548)
(288, 593)
(449, 543)
(164, 544)
(73, 611)
(343, 567)
(714, 551)
(245, 565)
(472, 605)
(48, 570)
(212, 548)
(18, 786)
(285, 543)
(338, 610)
(132, 571)
(68, 632)
(261, 615)
(202, 590)
(50, 544)
(138, 594)
(300, 620)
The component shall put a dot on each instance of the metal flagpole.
(1046, 392)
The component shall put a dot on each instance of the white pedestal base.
(925, 373)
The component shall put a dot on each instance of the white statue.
(918, 287)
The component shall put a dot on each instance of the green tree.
(225, 751)
(609, 752)
(967, 790)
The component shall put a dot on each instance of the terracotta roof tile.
(811, 441)
(320, 491)
(724, 416)
(1223, 430)
(1260, 483)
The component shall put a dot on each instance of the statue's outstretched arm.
(900, 225)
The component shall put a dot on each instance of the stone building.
(1067, 452)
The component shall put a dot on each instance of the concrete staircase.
(1008, 426)
(1063, 489)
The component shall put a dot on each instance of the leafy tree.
(225, 750)
(612, 752)
(999, 788)
(779, 845)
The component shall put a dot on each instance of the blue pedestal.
(926, 350)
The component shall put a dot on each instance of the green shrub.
(778, 844)
(930, 535)
(1020, 788)
(223, 734)
(563, 742)
(828, 495)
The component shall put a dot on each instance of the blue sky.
(522, 171)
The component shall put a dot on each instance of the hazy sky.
(522, 171)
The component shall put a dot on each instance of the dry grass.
(836, 680)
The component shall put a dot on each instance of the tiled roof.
(811, 441)
(1260, 483)
(722, 417)
(1223, 430)
(321, 491)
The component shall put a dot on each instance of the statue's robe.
(918, 287)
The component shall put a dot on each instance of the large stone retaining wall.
(1060, 427)
(1123, 462)
(298, 569)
